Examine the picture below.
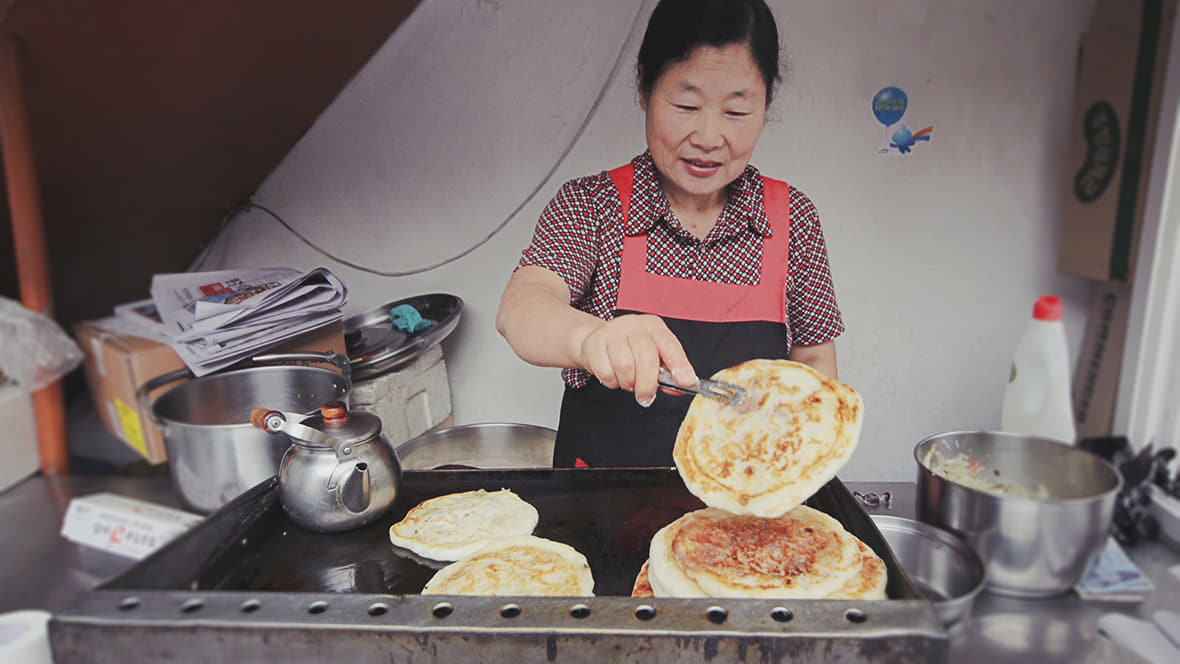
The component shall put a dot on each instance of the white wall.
(937, 256)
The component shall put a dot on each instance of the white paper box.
(127, 526)
(18, 445)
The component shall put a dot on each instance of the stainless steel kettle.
(340, 473)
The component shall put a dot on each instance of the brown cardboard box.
(117, 365)
(1120, 81)
(1096, 381)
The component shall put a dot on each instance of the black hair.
(677, 27)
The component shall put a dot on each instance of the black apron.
(719, 326)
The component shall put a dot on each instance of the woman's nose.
(707, 133)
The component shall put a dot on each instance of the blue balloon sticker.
(889, 104)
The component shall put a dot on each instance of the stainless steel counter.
(42, 570)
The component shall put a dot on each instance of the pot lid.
(375, 345)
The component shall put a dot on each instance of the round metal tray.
(375, 346)
(943, 565)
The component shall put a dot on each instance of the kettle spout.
(356, 488)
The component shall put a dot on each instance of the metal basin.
(486, 446)
(941, 564)
(1032, 546)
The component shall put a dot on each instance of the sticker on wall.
(889, 107)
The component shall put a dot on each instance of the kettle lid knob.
(334, 412)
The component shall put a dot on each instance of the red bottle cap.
(1048, 308)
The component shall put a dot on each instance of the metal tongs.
(730, 394)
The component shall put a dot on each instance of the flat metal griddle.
(254, 583)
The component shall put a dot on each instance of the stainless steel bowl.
(484, 446)
(1032, 547)
(940, 563)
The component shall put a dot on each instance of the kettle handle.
(273, 421)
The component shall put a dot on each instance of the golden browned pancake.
(802, 554)
(802, 427)
(455, 525)
(522, 565)
(666, 576)
(870, 582)
(642, 587)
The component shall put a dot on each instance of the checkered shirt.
(580, 237)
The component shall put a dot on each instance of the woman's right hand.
(628, 351)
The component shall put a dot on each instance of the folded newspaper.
(214, 319)
(1112, 576)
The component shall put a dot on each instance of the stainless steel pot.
(1033, 547)
(214, 453)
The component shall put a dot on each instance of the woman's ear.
(642, 93)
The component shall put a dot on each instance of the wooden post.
(28, 232)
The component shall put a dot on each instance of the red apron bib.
(719, 326)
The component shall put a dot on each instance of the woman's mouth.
(701, 167)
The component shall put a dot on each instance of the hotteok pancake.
(768, 457)
(455, 525)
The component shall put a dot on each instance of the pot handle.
(308, 357)
(141, 395)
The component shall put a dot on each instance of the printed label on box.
(128, 419)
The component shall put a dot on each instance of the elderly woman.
(686, 258)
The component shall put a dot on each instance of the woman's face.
(704, 116)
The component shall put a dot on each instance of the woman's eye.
(737, 114)
(685, 107)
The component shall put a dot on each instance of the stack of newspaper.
(214, 319)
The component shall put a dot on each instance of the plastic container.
(1037, 399)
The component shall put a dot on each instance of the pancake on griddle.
(642, 587)
(776, 452)
(521, 565)
(455, 525)
(870, 582)
(665, 575)
(803, 554)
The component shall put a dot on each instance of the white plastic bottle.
(1037, 400)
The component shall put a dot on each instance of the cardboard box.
(117, 365)
(1096, 381)
(1116, 113)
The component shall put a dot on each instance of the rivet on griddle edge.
(855, 616)
(645, 612)
(128, 603)
(442, 610)
(192, 605)
(580, 611)
(716, 614)
(509, 611)
(378, 609)
(250, 606)
(780, 614)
